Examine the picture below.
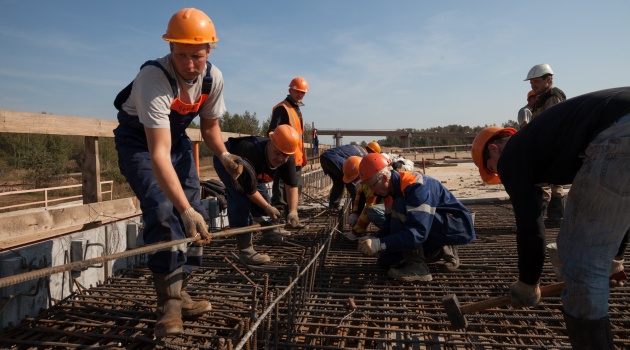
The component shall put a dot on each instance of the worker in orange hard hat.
(525, 114)
(373, 147)
(247, 197)
(360, 215)
(155, 156)
(332, 162)
(425, 220)
(288, 112)
(584, 141)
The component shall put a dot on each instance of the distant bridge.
(405, 135)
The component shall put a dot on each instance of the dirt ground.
(463, 180)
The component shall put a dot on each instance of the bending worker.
(584, 141)
(155, 155)
(424, 217)
(365, 199)
(247, 197)
(332, 163)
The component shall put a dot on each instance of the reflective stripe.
(424, 208)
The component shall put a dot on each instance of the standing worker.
(540, 79)
(288, 112)
(332, 161)
(525, 113)
(584, 141)
(155, 155)
(247, 197)
(424, 218)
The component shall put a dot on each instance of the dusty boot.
(190, 307)
(451, 259)
(414, 269)
(555, 210)
(246, 250)
(280, 231)
(272, 238)
(168, 288)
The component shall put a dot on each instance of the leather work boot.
(271, 238)
(589, 334)
(451, 259)
(168, 288)
(555, 209)
(246, 250)
(414, 269)
(280, 231)
(190, 307)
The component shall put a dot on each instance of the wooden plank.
(91, 172)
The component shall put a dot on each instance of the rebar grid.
(304, 296)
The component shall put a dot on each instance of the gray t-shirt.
(524, 116)
(151, 96)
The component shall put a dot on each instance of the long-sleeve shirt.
(548, 151)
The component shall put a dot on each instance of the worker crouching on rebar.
(423, 220)
(248, 197)
(584, 141)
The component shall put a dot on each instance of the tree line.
(42, 160)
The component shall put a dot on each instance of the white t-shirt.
(151, 96)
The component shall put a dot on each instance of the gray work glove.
(195, 226)
(229, 162)
(618, 277)
(272, 212)
(371, 246)
(293, 220)
(524, 295)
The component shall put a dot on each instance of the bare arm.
(159, 142)
(211, 133)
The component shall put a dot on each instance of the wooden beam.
(91, 171)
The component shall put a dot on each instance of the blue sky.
(370, 64)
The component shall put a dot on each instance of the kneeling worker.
(248, 195)
(424, 217)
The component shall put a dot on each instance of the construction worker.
(540, 79)
(332, 161)
(288, 112)
(525, 113)
(364, 199)
(155, 156)
(373, 147)
(584, 141)
(425, 218)
(247, 197)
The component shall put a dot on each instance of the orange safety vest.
(294, 121)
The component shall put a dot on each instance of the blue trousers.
(161, 220)
(596, 219)
(240, 209)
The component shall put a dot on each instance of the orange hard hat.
(285, 138)
(372, 164)
(190, 26)
(299, 84)
(374, 147)
(479, 146)
(351, 168)
(531, 93)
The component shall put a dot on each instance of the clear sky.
(370, 64)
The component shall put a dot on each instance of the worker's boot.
(555, 209)
(414, 269)
(451, 258)
(271, 238)
(246, 250)
(280, 231)
(589, 334)
(190, 307)
(168, 288)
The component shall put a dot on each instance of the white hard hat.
(538, 71)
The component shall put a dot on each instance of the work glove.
(371, 246)
(618, 277)
(229, 162)
(524, 295)
(272, 212)
(293, 220)
(352, 219)
(195, 226)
